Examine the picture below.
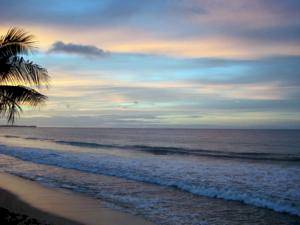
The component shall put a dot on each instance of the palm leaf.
(15, 42)
(17, 70)
(12, 97)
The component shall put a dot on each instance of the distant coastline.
(18, 126)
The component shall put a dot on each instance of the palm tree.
(19, 78)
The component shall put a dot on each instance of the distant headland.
(18, 126)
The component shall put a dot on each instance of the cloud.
(70, 48)
(191, 28)
(92, 12)
(170, 91)
(283, 70)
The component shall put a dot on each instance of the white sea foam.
(273, 186)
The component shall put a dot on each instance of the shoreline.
(58, 206)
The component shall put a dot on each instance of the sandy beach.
(56, 206)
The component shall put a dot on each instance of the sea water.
(168, 176)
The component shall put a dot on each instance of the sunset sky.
(164, 63)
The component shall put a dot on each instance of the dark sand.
(10, 218)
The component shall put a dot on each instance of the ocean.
(168, 176)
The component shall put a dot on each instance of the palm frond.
(12, 97)
(17, 70)
(16, 41)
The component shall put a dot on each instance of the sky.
(164, 63)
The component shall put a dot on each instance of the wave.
(201, 179)
(161, 150)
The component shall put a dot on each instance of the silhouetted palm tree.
(19, 77)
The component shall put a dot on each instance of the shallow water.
(168, 176)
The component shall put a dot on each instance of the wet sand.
(57, 206)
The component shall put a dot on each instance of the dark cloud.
(287, 7)
(70, 48)
(286, 34)
(68, 12)
(90, 12)
(157, 16)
